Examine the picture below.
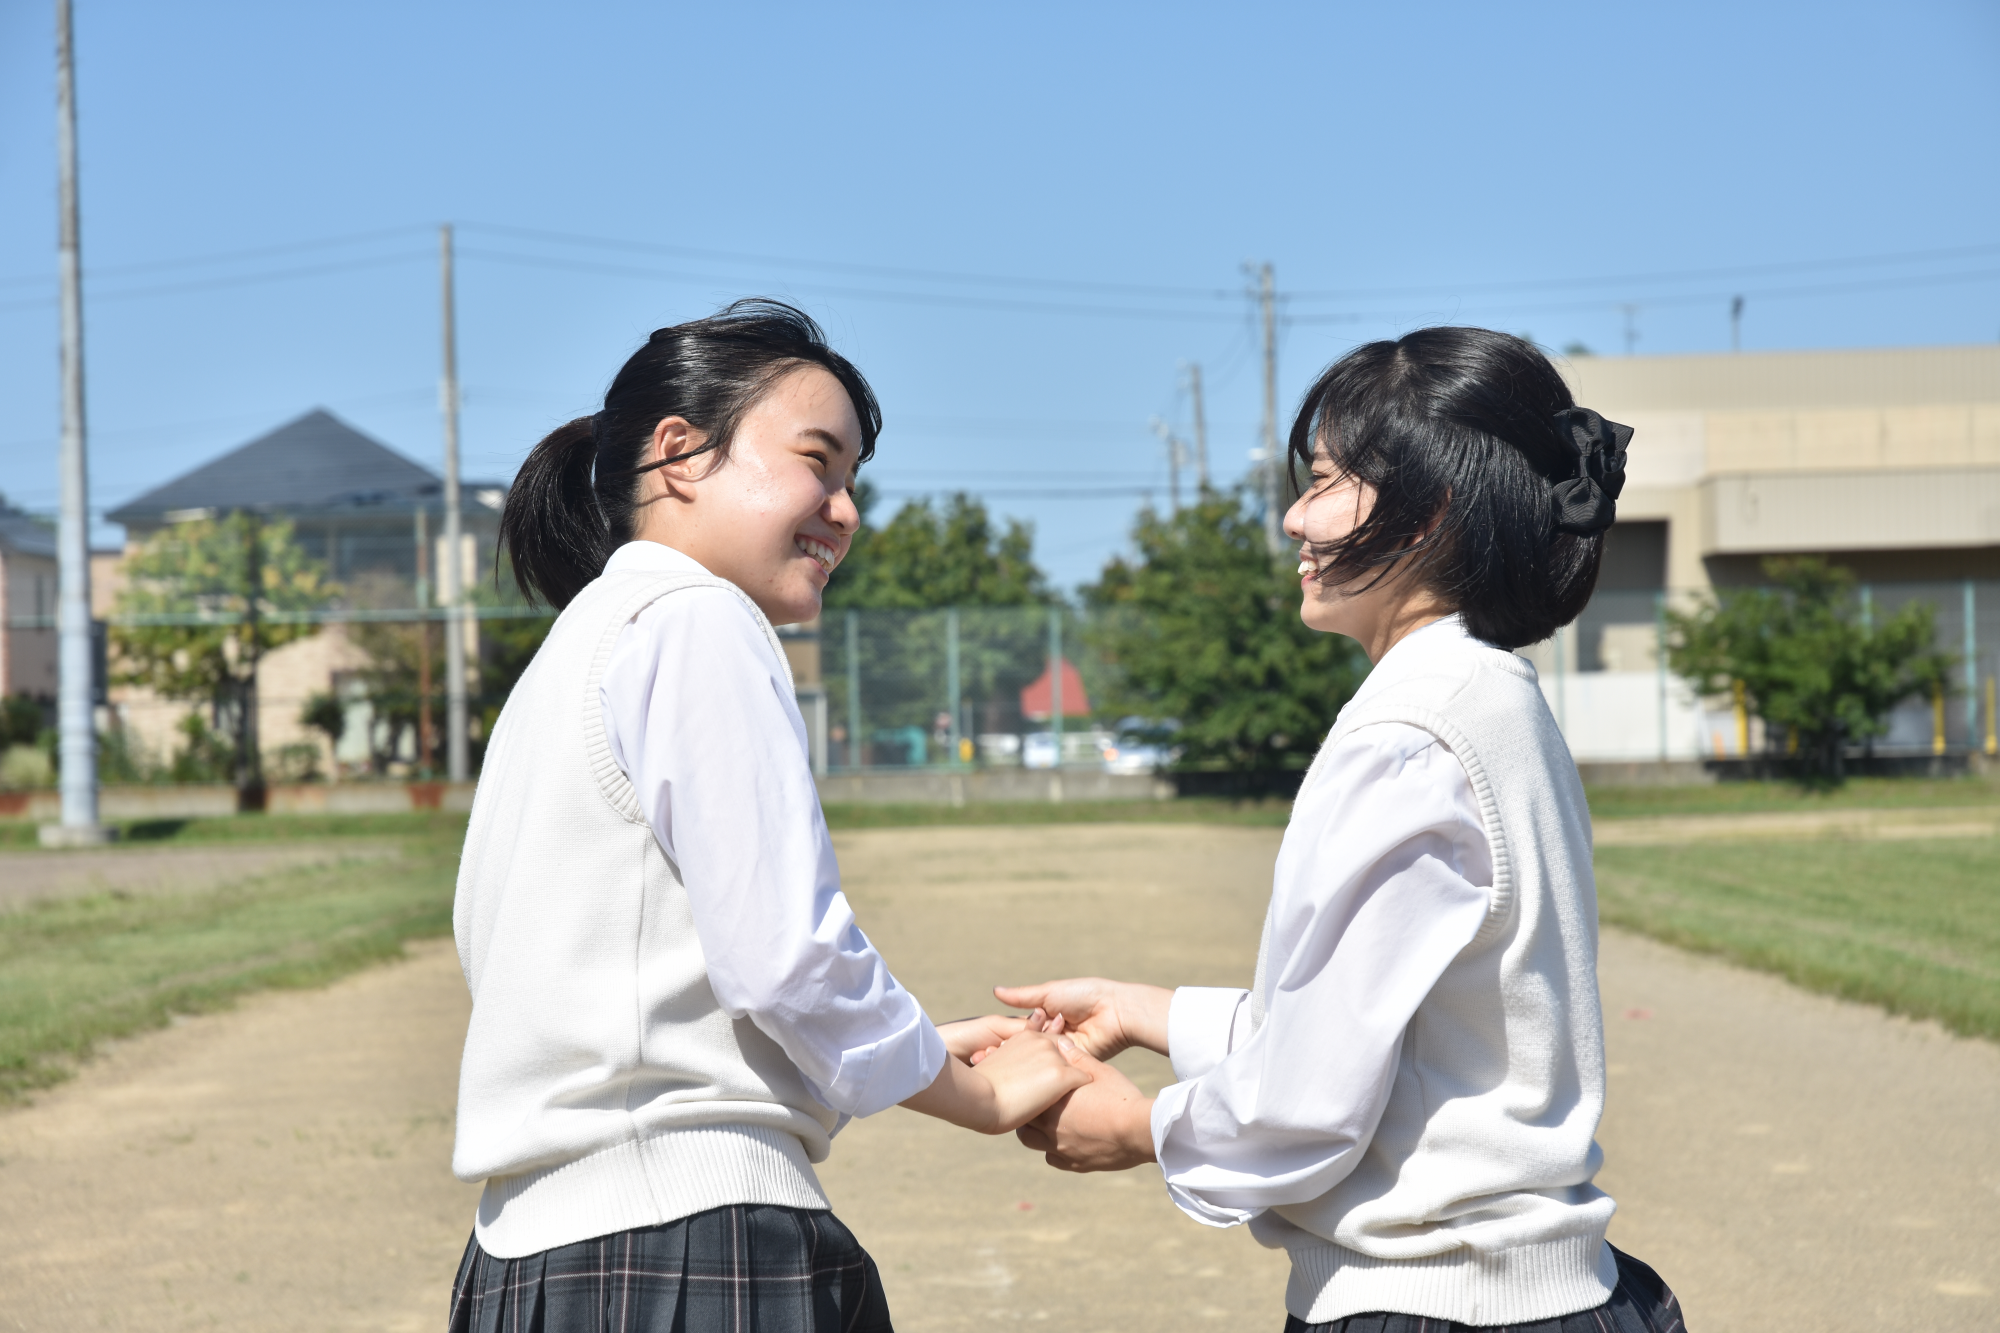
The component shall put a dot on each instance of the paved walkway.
(1787, 1161)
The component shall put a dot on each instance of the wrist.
(1142, 1015)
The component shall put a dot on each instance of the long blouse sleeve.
(701, 717)
(1384, 877)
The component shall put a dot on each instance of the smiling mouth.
(817, 551)
(1307, 565)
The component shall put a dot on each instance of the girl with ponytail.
(673, 1009)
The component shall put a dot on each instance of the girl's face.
(777, 515)
(1333, 506)
(1376, 613)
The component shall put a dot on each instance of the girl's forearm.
(957, 1095)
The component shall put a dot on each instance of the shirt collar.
(1411, 653)
(652, 555)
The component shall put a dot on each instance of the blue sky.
(1020, 221)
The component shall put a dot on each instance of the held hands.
(1106, 1124)
(1018, 1077)
(1103, 1017)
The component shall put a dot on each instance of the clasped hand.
(1103, 1123)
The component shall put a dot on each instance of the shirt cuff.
(1169, 1107)
(1200, 1023)
(876, 1077)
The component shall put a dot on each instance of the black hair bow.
(1587, 503)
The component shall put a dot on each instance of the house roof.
(24, 534)
(317, 463)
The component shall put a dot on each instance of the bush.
(1806, 664)
(25, 766)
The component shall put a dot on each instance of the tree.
(898, 580)
(1819, 678)
(203, 602)
(925, 559)
(1204, 627)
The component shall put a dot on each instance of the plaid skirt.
(729, 1270)
(1640, 1303)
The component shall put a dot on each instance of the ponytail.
(575, 500)
(553, 530)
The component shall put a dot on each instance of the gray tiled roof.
(315, 463)
(24, 534)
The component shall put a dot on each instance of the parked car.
(1083, 748)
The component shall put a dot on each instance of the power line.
(229, 256)
(237, 280)
(1703, 298)
(1671, 275)
(877, 270)
(933, 299)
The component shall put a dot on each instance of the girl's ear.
(673, 438)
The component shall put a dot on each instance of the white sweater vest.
(1473, 1201)
(603, 1088)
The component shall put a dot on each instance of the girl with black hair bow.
(1407, 1096)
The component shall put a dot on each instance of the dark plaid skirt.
(745, 1268)
(1640, 1303)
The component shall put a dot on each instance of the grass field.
(77, 971)
(1911, 926)
(1743, 798)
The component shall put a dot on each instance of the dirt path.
(1786, 1160)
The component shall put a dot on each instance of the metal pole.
(1660, 663)
(1200, 428)
(452, 576)
(853, 691)
(426, 734)
(951, 677)
(1274, 533)
(249, 743)
(1056, 680)
(76, 733)
(1971, 667)
(1562, 694)
(1868, 607)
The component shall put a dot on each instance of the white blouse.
(1387, 858)
(702, 719)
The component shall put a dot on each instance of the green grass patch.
(1190, 810)
(15, 833)
(1743, 798)
(1911, 926)
(75, 972)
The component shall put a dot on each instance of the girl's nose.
(1295, 520)
(842, 512)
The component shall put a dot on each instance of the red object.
(1035, 699)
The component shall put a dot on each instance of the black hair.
(1455, 430)
(575, 498)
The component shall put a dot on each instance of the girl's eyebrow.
(825, 437)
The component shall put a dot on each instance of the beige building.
(1886, 462)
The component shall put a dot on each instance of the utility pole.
(1736, 324)
(1631, 327)
(426, 733)
(1200, 426)
(250, 792)
(75, 660)
(1274, 533)
(451, 577)
(1176, 455)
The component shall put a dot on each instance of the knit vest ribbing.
(1473, 1201)
(603, 1088)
